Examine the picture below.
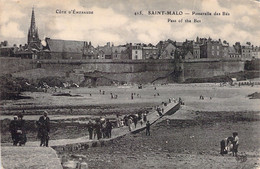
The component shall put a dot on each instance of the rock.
(63, 159)
(70, 164)
(84, 165)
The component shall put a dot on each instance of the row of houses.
(168, 49)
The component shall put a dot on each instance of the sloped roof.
(118, 49)
(231, 49)
(179, 44)
(68, 46)
(107, 50)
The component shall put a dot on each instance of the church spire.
(33, 37)
(33, 20)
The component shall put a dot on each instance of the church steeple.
(33, 20)
(33, 37)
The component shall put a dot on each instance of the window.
(136, 52)
(217, 52)
(212, 47)
(212, 52)
(217, 47)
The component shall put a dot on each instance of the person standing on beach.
(21, 135)
(145, 117)
(135, 120)
(222, 147)
(118, 121)
(148, 128)
(90, 129)
(98, 127)
(44, 129)
(13, 130)
(109, 128)
(129, 122)
(235, 144)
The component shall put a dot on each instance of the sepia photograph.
(130, 84)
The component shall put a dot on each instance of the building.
(225, 47)
(237, 47)
(150, 52)
(64, 49)
(33, 40)
(233, 53)
(137, 52)
(166, 49)
(255, 52)
(211, 49)
(104, 52)
(7, 51)
(120, 53)
(188, 55)
(246, 51)
(89, 52)
(196, 50)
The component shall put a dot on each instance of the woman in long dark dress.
(21, 133)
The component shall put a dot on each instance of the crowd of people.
(102, 128)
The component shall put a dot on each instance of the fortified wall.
(209, 68)
(144, 71)
(12, 65)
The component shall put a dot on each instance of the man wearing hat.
(44, 129)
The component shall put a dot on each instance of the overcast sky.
(114, 20)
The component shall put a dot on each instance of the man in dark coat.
(98, 127)
(109, 128)
(13, 130)
(90, 129)
(44, 129)
(20, 132)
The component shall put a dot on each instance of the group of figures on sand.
(102, 128)
(17, 129)
(230, 144)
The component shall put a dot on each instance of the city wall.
(108, 66)
(206, 68)
(129, 71)
(12, 65)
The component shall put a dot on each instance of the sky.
(115, 21)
